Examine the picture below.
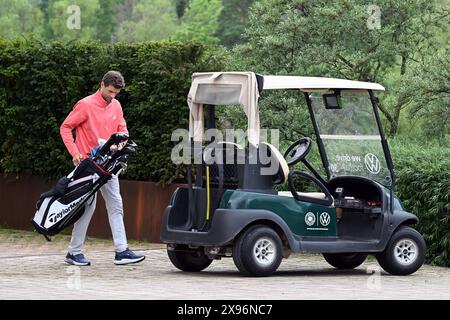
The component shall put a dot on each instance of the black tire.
(345, 260)
(189, 260)
(252, 262)
(410, 240)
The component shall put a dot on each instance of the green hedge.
(423, 173)
(40, 83)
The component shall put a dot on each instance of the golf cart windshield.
(348, 129)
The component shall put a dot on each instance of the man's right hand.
(77, 159)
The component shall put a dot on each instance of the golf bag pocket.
(65, 203)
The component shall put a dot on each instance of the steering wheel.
(297, 151)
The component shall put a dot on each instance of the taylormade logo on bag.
(55, 217)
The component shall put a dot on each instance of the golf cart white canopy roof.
(308, 84)
(228, 88)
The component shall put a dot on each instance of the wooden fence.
(144, 203)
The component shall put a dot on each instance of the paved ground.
(32, 268)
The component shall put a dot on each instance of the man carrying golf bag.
(96, 118)
(64, 204)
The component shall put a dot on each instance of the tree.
(105, 22)
(200, 21)
(47, 30)
(125, 10)
(58, 20)
(181, 6)
(151, 20)
(20, 18)
(351, 39)
(232, 21)
(73, 19)
(429, 93)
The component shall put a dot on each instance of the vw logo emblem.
(324, 219)
(372, 163)
(310, 218)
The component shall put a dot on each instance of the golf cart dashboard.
(356, 193)
(359, 204)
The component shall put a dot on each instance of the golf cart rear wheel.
(404, 253)
(258, 251)
(188, 260)
(345, 260)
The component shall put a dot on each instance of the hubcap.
(405, 251)
(264, 251)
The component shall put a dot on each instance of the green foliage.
(40, 84)
(105, 23)
(19, 18)
(338, 39)
(232, 21)
(429, 93)
(181, 6)
(64, 13)
(283, 110)
(200, 21)
(151, 20)
(424, 186)
(117, 20)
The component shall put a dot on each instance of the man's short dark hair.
(114, 78)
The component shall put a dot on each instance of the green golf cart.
(230, 206)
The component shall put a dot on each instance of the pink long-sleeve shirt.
(93, 119)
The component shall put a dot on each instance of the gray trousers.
(113, 200)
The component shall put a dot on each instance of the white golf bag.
(65, 203)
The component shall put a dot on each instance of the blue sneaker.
(127, 256)
(77, 259)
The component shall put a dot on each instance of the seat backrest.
(283, 169)
(224, 145)
(231, 157)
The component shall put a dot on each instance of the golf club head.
(115, 139)
(119, 156)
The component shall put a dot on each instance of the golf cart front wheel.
(404, 253)
(345, 260)
(258, 251)
(187, 259)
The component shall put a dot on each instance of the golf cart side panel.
(225, 226)
(398, 217)
(343, 246)
(402, 217)
(303, 218)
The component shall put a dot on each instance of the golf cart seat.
(228, 163)
(283, 169)
(316, 195)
